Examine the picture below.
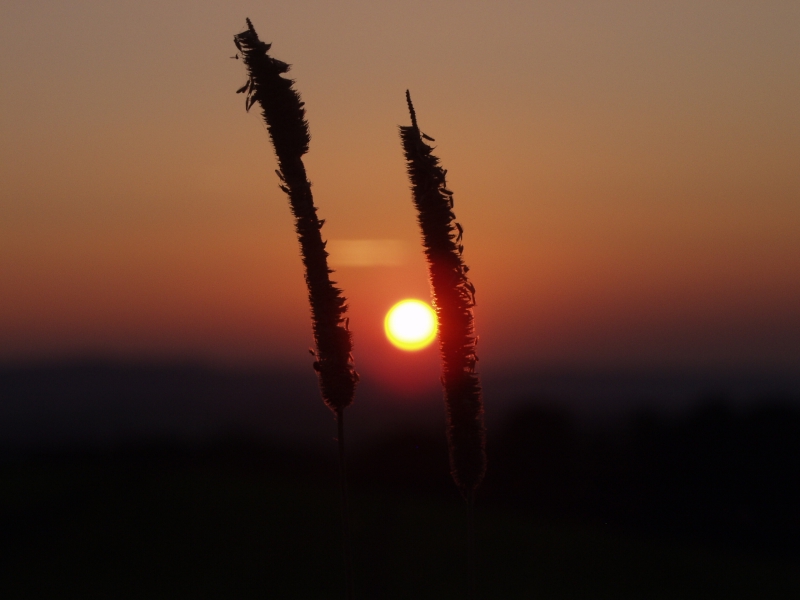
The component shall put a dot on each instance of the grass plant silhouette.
(453, 300)
(284, 116)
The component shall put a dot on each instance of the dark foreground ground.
(702, 505)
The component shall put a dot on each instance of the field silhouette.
(699, 503)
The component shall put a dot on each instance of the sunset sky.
(627, 175)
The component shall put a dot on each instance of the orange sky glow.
(627, 175)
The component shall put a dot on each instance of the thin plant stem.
(471, 558)
(347, 549)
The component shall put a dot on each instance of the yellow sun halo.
(410, 325)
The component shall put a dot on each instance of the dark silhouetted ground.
(699, 504)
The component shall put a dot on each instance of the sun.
(410, 325)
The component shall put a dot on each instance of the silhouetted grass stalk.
(284, 115)
(453, 300)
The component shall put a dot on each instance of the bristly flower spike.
(284, 115)
(453, 299)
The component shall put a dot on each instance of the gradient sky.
(627, 175)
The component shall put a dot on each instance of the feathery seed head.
(284, 115)
(453, 299)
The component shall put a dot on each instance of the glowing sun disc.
(410, 324)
